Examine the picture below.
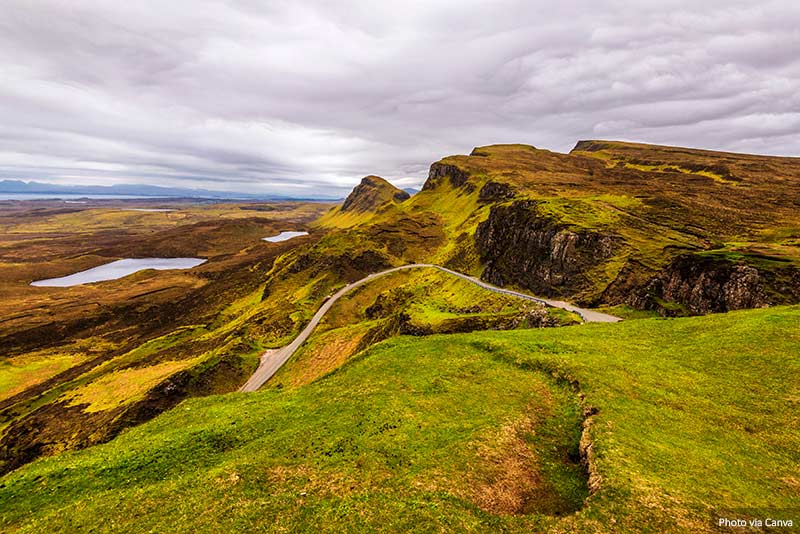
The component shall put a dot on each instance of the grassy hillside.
(78, 364)
(639, 229)
(683, 420)
(416, 302)
(606, 223)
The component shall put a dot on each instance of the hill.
(483, 431)
(371, 194)
(637, 229)
(679, 231)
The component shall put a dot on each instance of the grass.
(119, 388)
(110, 345)
(670, 168)
(22, 372)
(694, 418)
(426, 299)
(384, 441)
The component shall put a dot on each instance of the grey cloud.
(279, 95)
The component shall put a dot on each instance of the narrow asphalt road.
(273, 359)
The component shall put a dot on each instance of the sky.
(307, 97)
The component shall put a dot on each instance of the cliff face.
(519, 246)
(439, 171)
(372, 193)
(699, 285)
(681, 231)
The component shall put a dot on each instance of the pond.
(118, 269)
(284, 236)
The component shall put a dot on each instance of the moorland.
(420, 401)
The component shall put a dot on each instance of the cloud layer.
(307, 97)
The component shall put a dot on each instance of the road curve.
(273, 359)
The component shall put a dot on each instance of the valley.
(534, 341)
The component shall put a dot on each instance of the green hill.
(644, 426)
(677, 230)
(638, 230)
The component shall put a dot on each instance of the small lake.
(284, 236)
(118, 269)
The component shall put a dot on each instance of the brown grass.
(329, 353)
(123, 387)
(512, 483)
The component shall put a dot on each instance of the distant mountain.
(411, 191)
(20, 187)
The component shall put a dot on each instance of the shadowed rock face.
(372, 193)
(439, 171)
(678, 230)
(705, 285)
(520, 246)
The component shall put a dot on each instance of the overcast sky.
(308, 97)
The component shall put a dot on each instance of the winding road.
(273, 359)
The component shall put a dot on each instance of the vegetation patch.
(119, 388)
(399, 438)
(480, 431)
(19, 373)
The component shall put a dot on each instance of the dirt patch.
(512, 482)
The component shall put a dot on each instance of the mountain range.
(140, 190)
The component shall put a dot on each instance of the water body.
(284, 236)
(118, 269)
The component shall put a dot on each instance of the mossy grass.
(693, 419)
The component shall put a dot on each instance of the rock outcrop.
(439, 171)
(495, 192)
(372, 193)
(520, 246)
(697, 284)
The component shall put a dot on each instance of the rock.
(520, 246)
(439, 171)
(702, 284)
(493, 192)
(372, 193)
(539, 318)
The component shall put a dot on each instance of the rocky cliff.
(372, 193)
(520, 246)
(440, 171)
(697, 284)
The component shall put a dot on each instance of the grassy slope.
(215, 337)
(429, 300)
(695, 417)
(662, 201)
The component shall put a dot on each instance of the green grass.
(429, 300)
(398, 438)
(694, 418)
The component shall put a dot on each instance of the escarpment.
(520, 246)
(696, 284)
(677, 230)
